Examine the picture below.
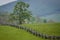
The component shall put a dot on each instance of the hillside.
(45, 28)
(10, 33)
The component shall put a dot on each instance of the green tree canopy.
(21, 12)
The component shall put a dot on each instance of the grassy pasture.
(11, 33)
(45, 28)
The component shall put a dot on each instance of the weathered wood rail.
(49, 37)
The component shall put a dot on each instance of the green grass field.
(47, 28)
(11, 33)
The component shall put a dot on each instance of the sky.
(3, 2)
(49, 9)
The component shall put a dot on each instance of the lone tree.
(21, 12)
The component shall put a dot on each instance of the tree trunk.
(20, 22)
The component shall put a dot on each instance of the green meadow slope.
(47, 28)
(11, 33)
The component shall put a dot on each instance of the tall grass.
(45, 28)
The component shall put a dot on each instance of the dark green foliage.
(21, 12)
(45, 21)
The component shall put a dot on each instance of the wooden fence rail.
(50, 37)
